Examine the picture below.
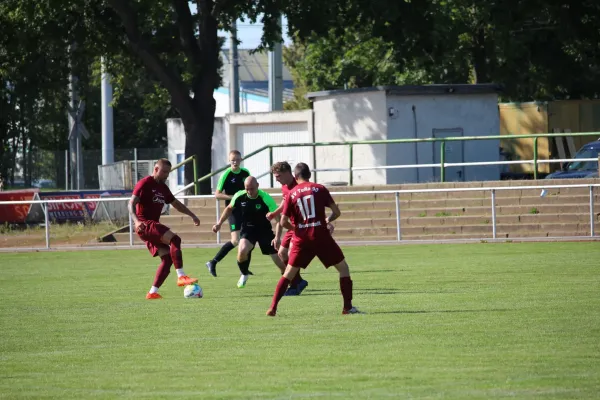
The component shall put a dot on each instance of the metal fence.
(492, 190)
(267, 151)
(48, 169)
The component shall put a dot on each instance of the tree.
(32, 84)
(539, 50)
(35, 63)
(180, 48)
(348, 59)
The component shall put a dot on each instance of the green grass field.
(471, 321)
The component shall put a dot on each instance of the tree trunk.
(24, 155)
(30, 171)
(198, 141)
(479, 55)
(15, 147)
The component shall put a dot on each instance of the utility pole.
(234, 76)
(276, 76)
(108, 148)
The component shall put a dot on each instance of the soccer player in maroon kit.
(282, 172)
(149, 196)
(304, 212)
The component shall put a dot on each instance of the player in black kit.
(231, 182)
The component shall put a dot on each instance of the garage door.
(253, 137)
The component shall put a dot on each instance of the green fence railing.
(191, 159)
(443, 141)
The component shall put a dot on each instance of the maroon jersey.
(286, 189)
(153, 196)
(305, 206)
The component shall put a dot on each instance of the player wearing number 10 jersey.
(304, 212)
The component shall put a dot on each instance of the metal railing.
(396, 193)
(195, 167)
(442, 164)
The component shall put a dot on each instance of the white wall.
(176, 146)
(359, 116)
(355, 116)
(251, 131)
(475, 114)
(247, 132)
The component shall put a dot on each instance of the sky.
(248, 34)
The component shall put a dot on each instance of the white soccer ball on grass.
(193, 291)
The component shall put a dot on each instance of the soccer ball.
(193, 291)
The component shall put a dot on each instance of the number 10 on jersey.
(306, 205)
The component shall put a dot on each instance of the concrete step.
(499, 235)
(442, 199)
(456, 221)
(369, 209)
(437, 185)
(435, 213)
(388, 229)
(438, 204)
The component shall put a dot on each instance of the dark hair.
(281, 166)
(163, 162)
(302, 171)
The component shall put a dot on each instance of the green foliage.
(40, 44)
(164, 58)
(539, 50)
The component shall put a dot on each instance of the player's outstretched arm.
(182, 208)
(226, 214)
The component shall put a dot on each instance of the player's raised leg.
(174, 242)
(243, 259)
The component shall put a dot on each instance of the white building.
(247, 133)
(405, 112)
(380, 113)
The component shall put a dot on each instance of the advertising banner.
(16, 213)
(61, 212)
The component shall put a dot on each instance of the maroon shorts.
(152, 234)
(287, 239)
(325, 248)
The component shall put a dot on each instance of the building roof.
(252, 67)
(411, 90)
(254, 73)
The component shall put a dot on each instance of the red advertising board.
(16, 213)
(58, 212)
